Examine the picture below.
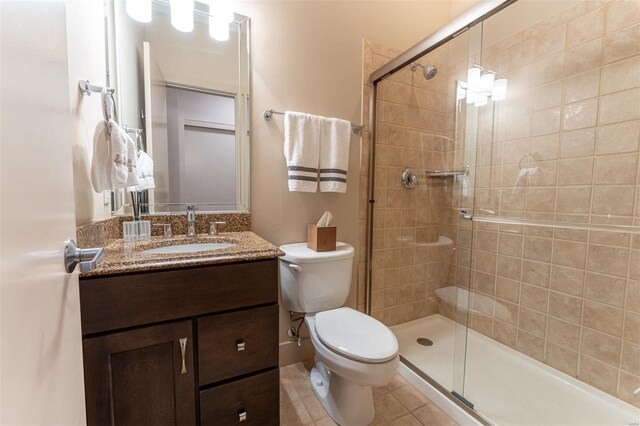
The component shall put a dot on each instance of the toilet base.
(348, 403)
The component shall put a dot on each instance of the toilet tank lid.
(300, 253)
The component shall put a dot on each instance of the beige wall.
(86, 60)
(410, 132)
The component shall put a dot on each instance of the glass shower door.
(421, 248)
(464, 53)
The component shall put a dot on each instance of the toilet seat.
(355, 335)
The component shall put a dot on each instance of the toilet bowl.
(353, 351)
(347, 366)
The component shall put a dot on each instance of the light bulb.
(182, 15)
(220, 16)
(221, 10)
(480, 100)
(140, 10)
(473, 79)
(471, 97)
(218, 30)
(499, 91)
(486, 82)
(460, 91)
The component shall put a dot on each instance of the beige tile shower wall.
(411, 132)
(563, 147)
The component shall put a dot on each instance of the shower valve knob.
(409, 178)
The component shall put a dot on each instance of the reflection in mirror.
(184, 98)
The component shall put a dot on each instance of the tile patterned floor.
(398, 403)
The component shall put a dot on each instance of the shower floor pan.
(505, 386)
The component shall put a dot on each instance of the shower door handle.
(465, 215)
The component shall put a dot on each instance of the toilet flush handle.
(294, 267)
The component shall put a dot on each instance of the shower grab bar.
(448, 173)
(268, 115)
(624, 229)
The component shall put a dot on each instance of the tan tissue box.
(321, 238)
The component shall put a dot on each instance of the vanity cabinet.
(182, 347)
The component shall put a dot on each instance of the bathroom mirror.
(184, 97)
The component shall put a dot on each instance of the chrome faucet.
(191, 221)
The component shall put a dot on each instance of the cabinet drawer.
(237, 343)
(257, 397)
(110, 303)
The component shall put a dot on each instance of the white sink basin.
(189, 248)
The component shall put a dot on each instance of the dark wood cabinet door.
(141, 377)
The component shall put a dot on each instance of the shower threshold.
(505, 386)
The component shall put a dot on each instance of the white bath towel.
(132, 157)
(335, 140)
(101, 160)
(113, 164)
(145, 172)
(302, 150)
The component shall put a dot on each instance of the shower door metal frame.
(452, 29)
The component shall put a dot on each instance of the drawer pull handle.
(183, 349)
(240, 345)
(242, 415)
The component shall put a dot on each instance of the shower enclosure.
(503, 227)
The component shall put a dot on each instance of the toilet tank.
(313, 281)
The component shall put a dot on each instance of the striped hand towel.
(302, 150)
(335, 138)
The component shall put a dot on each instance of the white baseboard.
(290, 352)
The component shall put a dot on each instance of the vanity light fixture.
(182, 15)
(499, 91)
(480, 100)
(486, 81)
(473, 81)
(140, 10)
(461, 90)
(220, 14)
(481, 85)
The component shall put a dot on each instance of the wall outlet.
(107, 197)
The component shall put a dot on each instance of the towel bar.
(87, 88)
(268, 115)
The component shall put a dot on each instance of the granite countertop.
(122, 258)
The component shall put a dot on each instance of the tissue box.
(321, 238)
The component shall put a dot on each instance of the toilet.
(353, 351)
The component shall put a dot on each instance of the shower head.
(428, 71)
